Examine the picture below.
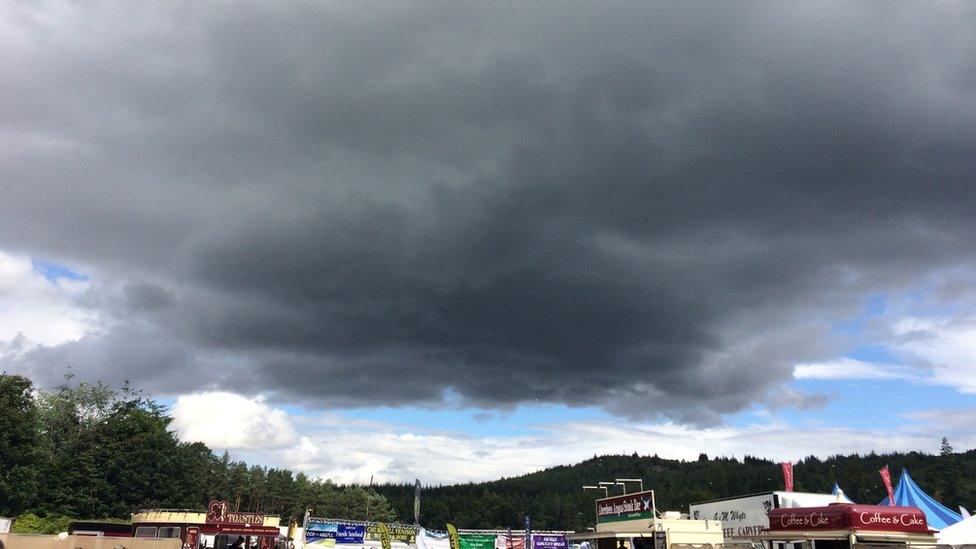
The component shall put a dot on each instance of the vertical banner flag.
(384, 535)
(511, 544)
(788, 475)
(528, 532)
(452, 535)
(416, 501)
(886, 478)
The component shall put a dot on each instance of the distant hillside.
(554, 499)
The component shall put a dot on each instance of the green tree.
(19, 454)
(946, 448)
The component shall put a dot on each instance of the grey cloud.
(639, 207)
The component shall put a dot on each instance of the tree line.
(554, 499)
(85, 451)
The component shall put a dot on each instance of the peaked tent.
(907, 493)
(837, 491)
(960, 533)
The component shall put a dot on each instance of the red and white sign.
(886, 478)
(788, 475)
(850, 517)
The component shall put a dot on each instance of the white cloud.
(386, 452)
(849, 368)
(37, 311)
(230, 421)
(947, 347)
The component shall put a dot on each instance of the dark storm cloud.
(650, 208)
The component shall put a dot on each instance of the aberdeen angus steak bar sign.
(635, 506)
(218, 512)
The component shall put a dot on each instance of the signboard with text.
(330, 533)
(850, 517)
(397, 532)
(634, 506)
(740, 517)
(477, 541)
(218, 512)
(547, 541)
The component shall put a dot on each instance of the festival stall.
(745, 516)
(850, 526)
(908, 493)
(631, 521)
(216, 528)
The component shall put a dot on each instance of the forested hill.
(554, 499)
(87, 452)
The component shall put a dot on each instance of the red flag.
(886, 477)
(788, 475)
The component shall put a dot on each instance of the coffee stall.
(850, 526)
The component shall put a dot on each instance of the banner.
(416, 501)
(452, 535)
(510, 542)
(886, 478)
(384, 531)
(331, 533)
(528, 532)
(397, 532)
(432, 540)
(548, 541)
(477, 541)
(788, 475)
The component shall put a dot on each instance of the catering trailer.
(216, 528)
(743, 517)
(631, 521)
(850, 526)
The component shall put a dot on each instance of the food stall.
(745, 516)
(216, 528)
(850, 526)
(631, 521)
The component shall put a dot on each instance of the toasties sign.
(627, 507)
(218, 512)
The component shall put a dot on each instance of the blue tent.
(909, 494)
(836, 490)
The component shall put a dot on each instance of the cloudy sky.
(461, 240)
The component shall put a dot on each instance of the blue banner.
(341, 533)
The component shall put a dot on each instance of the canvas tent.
(908, 494)
(960, 533)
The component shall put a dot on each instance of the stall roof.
(847, 516)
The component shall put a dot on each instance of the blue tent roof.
(908, 493)
(836, 490)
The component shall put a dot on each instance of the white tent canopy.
(960, 533)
